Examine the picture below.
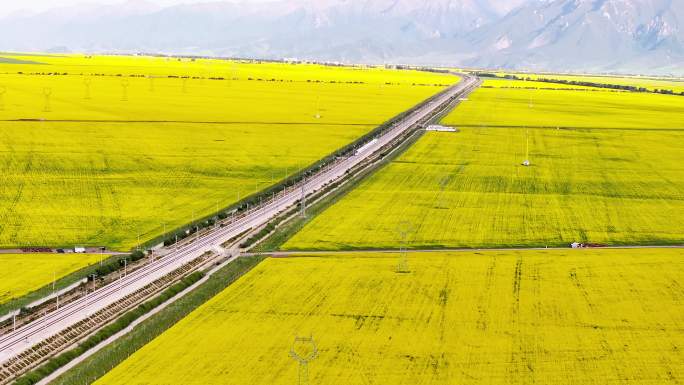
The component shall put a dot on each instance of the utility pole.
(303, 203)
(93, 277)
(54, 289)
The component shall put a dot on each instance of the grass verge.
(104, 360)
(124, 321)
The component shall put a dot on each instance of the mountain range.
(635, 36)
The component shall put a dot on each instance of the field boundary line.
(306, 253)
(183, 122)
(572, 127)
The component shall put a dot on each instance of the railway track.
(47, 348)
(19, 349)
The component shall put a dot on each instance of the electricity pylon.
(318, 108)
(47, 93)
(3, 90)
(403, 229)
(86, 84)
(124, 90)
(303, 350)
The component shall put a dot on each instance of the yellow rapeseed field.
(23, 273)
(91, 157)
(497, 317)
(605, 168)
(77, 64)
(520, 107)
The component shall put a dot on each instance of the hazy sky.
(9, 6)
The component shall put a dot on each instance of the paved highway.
(16, 342)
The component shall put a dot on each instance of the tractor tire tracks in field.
(16, 199)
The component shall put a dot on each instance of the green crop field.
(24, 273)
(555, 316)
(651, 83)
(91, 157)
(525, 84)
(620, 183)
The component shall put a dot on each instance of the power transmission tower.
(86, 84)
(303, 350)
(124, 90)
(3, 91)
(318, 108)
(527, 135)
(47, 93)
(404, 229)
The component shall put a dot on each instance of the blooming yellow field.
(90, 157)
(496, 317)
(571, 109)
(612, 174)
(23, 273)
(76, 64)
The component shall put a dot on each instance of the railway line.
(28, 336)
